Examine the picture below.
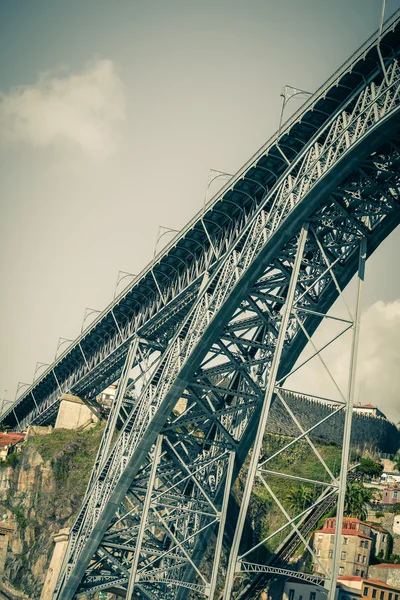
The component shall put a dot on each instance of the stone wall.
(374, 432)
(389, 575)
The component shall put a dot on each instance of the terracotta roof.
(364, 405)
(10, 439)
(387, 565)
(380, 584)
(350, 578)
(346, 532)
(377, 527)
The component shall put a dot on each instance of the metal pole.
(224, 510)
(2, 402)
(143, 520)
(15, 415)
(83, 354)
(378, 47)
(347, 424)
(264, 415)
(58, 383)
(119, 397)
(34, 399)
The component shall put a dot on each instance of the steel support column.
(264, 414)
(347, 424)
(143, 520)
(224, 509)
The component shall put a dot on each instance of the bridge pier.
(74, 413)
(60, 541)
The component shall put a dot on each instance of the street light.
(88, 313)
(3, 399)
(20, 385)
(39, 365)
(120, 278)
(162, 231)
(288, 93)
(213, 174)
(61, 341)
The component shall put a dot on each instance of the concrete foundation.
(74, 414)
(60, 540)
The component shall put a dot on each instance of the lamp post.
(88, 313)
(39, 365)
(61, 341)
(162, 231)
(3, 399)
(20, 385)
(120, 277)
(288, 93)
(213, 174)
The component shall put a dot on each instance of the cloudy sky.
(112, 114)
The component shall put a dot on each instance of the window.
(390, 595)
(359, 558)
(366, 591)
(291, 594)
(363, 559)
(330, 553)
(395, 494)
(345, 541)
(343, 556)
(382, 595)
(320, 537)
(312, 595)
(332, 539)
(373, 593)
(362, 573)
(300, 597)
(396, 597)
(319, 552)
(365, 544)
(341, 570)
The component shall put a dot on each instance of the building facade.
(387, 573)
(368, 410)
(9, 442)
(356, 546)
(373, 589)
(391, 495)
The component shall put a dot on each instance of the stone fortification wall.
(367, 431)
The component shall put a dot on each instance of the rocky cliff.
(41, 488)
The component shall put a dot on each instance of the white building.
(368, 410)
(348, 588)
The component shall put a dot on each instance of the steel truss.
(159, 496)
(155, 303)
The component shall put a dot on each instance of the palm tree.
(356, 501)
(300, 498)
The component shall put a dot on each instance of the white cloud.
(378, 369)
(80, 109)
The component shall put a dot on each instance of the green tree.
(356, 501)
(300, 498)
(369, 467)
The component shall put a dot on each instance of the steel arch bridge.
(219, 318)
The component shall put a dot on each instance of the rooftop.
(10, 439)
(380, 584)
(346, 532)
(387, 566)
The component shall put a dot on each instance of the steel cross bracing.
(156, 506)
(157, 300)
